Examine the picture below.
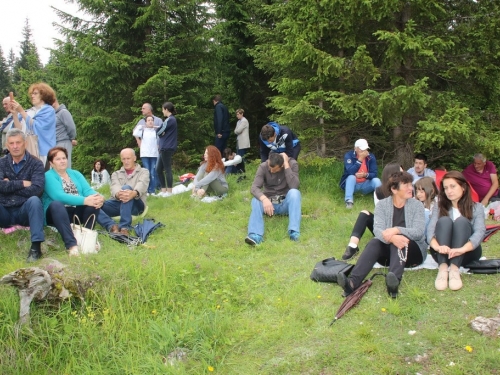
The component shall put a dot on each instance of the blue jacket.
(12, 192)
(44, 126)
(352, 165)
(167, 134)
(285, 141)
(221, 119)
(54, 190)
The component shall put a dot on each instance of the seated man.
(277, 138)
(482, 176)
(420, 169)
(22, 179)
(279, 179)
(360, 172)
(129, 186)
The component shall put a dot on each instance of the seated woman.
(399, 237)
(232, 161)
(455, 231)
(210, 176)
(365, 218)
(99, 175)
(67, 193)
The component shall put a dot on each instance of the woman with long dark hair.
(99, 175)
(167, 135)
(211, 175)
(455, 231)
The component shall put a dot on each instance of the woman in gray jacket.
(455, 231)
(399, 226)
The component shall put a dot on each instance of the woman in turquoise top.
(67, 193)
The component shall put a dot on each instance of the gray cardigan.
(414, 219)
(477, 222)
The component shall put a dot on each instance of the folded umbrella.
(144, 229)
(128, 240)
(490, 231)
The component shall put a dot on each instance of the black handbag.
(486, 266)
(327, 270)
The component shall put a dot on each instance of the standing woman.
(67, 193)
(399, 242)
(167, 145)
(211, 175)
(43, 122)
(455, 231)
(148, 144)
(242, 139)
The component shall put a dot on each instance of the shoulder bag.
(327, 270)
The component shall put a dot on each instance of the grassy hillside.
(196, 288)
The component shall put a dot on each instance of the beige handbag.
(32, 143)
(86, 238)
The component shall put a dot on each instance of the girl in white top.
(148, 144)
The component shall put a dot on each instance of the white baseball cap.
(362, 144)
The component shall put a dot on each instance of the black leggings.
(165, 165)
(386, 255)
(363, 222)
(454, 234)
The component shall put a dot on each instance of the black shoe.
(350, 252)
(343, 281)
(34, 255)
(392, 283)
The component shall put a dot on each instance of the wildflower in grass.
(469, 348)
(105, 312)
(154, 312)
(319, 297)
(218, 306)
(210, 368)
(383, 309)
(201, 233)
(74, 313)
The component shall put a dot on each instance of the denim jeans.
(291, 206)
(113, 207)
(351, 186)
(221, 143)
(30, 214)
(150, 164)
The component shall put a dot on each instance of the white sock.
(352, 244)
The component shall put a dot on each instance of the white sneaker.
(166, 194)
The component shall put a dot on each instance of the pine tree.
(5, 82)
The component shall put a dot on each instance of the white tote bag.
(86, 238)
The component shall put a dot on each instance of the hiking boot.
(114, 229)
(294, 235)
(34, 255)
(349, 205)
(350, 252)
(344, 283)
(441, 282)
(392, 283)
(455, 282)
(253, 239)
(124, 231)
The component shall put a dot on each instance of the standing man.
(275, 191)
(147, 110)
(482, 176)
(221, 124)
(129, 187)
(8, 122)
(65, 129)
(420, 169)
(360, 172)
(279, 139)
(22, 179)
(242, 138)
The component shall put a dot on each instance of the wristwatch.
(138, 195)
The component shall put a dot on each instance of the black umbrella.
(491, 229)
(144, 229)
(353, 299)
(123, 238)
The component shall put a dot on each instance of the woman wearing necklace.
(399, 226)
(43, 121)
(455, 231)
(67, 193)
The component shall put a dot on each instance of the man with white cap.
(360, 172)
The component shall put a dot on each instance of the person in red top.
(482, 176)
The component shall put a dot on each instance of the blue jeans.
(291, 206)
(150, 164)
(29, 214)
(242, 152)
(351, 186)
(113, 207)
(221, 143)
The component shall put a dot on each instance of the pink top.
(481, 182)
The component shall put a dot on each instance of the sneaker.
(165, 194)
(349, 205)
(392, 283)
(253, 239)
(441, 282)
(455, 282)
(350, 252)
(343, 282)
(294, 235)
(34, 255)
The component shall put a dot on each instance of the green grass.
(235, 309)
